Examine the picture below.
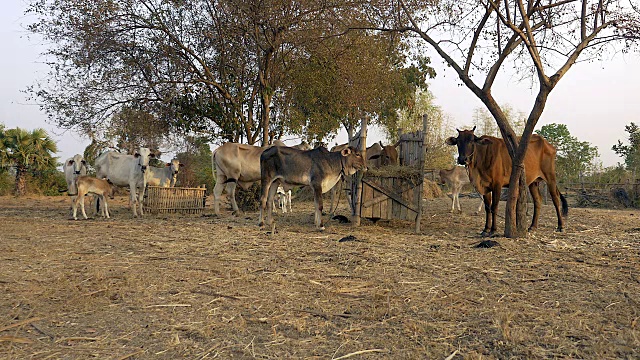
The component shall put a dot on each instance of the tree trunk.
(515, 223)
(21, 182)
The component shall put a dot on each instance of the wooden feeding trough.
(395, 192)
(176, 200)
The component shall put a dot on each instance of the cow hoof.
(532, 229)
(321, 228)
(486, 233)
(559, 230)
(261, 224)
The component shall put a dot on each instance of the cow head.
(144, 155)
(352, 161)
(77, 162)
(466, 142)
(175, 166)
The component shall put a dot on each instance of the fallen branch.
(23, 322)
(9, 338)
(359, 353)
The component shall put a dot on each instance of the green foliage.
(631, 151)
(575, 158)
(196, 158)
(26, 152)
(486, 124)
(7, 183)
(439, 155)
(47, 182)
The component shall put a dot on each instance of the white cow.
(90, 185)
(282, 199)
(123, 170)
(74, 167)
(166, 176)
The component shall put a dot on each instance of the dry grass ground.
(202, 287)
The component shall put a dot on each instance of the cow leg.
(487, 212)
(288, 198)
(265, 189)
(74, 207)
(317, 197)
(480, 206)
(534, 189)
(231, 191)
(141, 197)
(217, 193)
(556, 198)
(106, 207)
(273, 189)
(458, 190)
(84, 214)
(133, 198)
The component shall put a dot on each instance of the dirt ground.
(205, 287)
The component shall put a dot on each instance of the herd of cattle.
(279, 168)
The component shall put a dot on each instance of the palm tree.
(26, 151)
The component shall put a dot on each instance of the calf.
(166, 176)
(283, 199)
(97, 187)
(456, 178)
(317, 168)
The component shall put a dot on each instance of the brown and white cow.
(237, 164)
(318, 168)
(97, 187)
(489, 166)
(456, 178)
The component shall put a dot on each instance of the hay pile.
(431, 189)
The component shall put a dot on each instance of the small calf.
(282, 199)
(90, 185)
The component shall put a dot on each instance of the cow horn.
(474, 128)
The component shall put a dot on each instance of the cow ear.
(71, 162)
(345, 152)
(374, 157)
(181, 165)
(483, 141)
(168, 164)
(136, 155)
(451, 141)
(84, 162)
(153, 155)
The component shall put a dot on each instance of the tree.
(196, 158)
(486, 125)
(631, 151)
(541, 40)
(574, 157)
(26, 152)
(209, 67)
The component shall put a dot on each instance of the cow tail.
(565, 206)
(213, 163)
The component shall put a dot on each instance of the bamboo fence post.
(357, 195)
(418, 195)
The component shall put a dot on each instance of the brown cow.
(489, 166)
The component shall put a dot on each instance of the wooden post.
(418, 196)
(357, 186)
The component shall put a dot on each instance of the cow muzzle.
(143, 168)
(462, 160)
(77, 172)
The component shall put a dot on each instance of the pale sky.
(595, 100)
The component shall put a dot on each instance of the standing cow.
(238, 164)
(317, 168)
(456, 178)
(72, 168)
(165, 176)
(489, 166)
(127, 170)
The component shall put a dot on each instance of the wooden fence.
(164, 200)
